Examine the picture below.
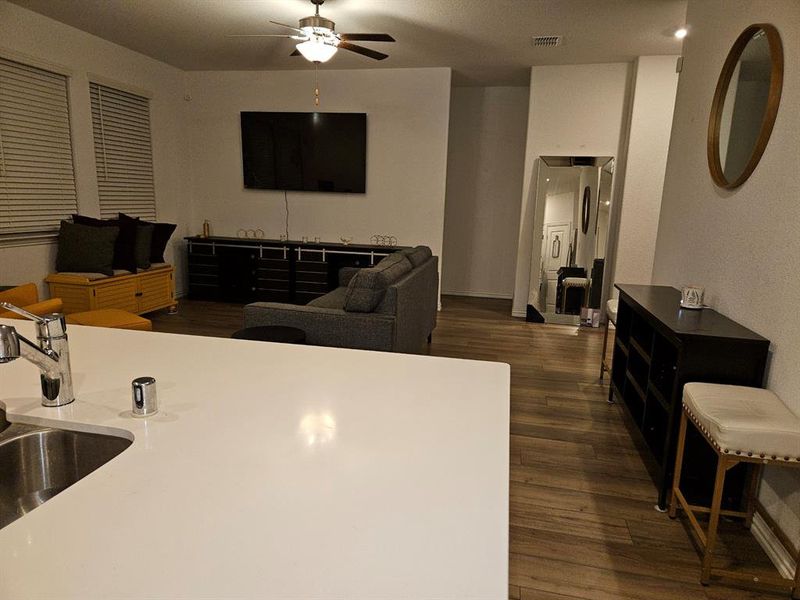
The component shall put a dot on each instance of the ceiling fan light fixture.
(317, 50)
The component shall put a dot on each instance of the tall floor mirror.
(568, 269)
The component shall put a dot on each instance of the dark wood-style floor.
(582, 518)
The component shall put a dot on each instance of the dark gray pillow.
(144, 243)
(368, 287)
(394, 266)
(417, 255)
(86, 249)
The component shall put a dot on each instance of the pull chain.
(316, 83)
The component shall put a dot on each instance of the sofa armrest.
(22, 295)
(346, 274)
(54, 305)
(327, 326)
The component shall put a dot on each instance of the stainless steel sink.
(36, 463)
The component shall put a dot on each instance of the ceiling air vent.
(546, 41)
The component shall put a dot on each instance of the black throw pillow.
(144, 242)
(124, 249)
(161, 235)
(130, 226)
(86, 248)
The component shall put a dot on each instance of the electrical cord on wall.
(286, 202)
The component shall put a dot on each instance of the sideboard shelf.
(248, 270)
(659, 347)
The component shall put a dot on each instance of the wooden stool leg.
(752, 493)
(676, 479)
(605, 349)
(713, 521)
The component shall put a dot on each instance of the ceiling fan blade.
(366, 37)
(295, 53)
(281, 35)
(288, 26)
(363, 51)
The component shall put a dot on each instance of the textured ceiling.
(485, 42)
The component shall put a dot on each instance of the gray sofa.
(391, 306)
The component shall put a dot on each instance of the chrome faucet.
(51, 355)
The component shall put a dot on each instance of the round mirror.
(585, 209)
(745, 105)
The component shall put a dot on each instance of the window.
(122, 151)
(37, 178)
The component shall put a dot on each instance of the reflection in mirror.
(575, 193)
(744, 107)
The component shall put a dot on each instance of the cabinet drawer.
(310, 277)
(273, 284)
(272, 254)
(311, 266)
(203, 270)
(273, 274)
(202, 260)
(312, 286)
(200, 249)
(273, 263)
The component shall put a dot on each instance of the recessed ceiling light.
(681, 33)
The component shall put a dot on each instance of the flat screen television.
(315, 152)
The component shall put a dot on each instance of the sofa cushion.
(417, 255)
(113, 318)
(86, 248)
(334, 299)
(366, 290)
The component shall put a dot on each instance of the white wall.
(656, 83)
(484, 182)
(407, 122)
(742, 245)
(25, 34)
(574, 110)
(560, 208)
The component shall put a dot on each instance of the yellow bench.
(142, 292)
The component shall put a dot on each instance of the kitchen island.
(270, 471)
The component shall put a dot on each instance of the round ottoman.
(272, 333)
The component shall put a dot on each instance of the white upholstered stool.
(571, 282)
(741, 424)
(611, 318)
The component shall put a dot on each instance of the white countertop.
(271, 471)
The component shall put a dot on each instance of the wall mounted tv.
(314, 152)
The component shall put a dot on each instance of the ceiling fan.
(319, 41)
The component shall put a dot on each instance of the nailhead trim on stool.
(714, 443)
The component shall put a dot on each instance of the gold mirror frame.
(773, 101)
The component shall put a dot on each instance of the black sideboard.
(249, 270)
(659, 347)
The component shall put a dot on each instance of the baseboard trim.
(777, 552)
(472, 294)
(519, 313)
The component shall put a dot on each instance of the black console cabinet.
(659, 347)
(250, 270)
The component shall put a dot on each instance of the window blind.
(37, 177)
(123, 152)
